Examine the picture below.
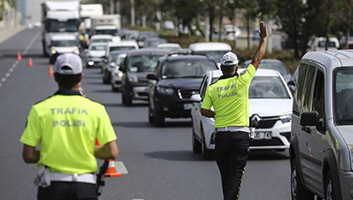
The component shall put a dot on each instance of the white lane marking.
(3, 79)
(0, 84)
(30, 43)
(11, 70)
(7, 75)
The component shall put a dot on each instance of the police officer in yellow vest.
(65, 127)
(229, 97)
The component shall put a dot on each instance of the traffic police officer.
(65, 126)
(229, 97)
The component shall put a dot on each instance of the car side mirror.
(309, 119)
(196, 98)
(122, 68)
(112, 65)
(151, 77)
(291, 83)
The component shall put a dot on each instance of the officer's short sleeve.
(207, 101)
(105, 132)
(248, 74)
(32, 134)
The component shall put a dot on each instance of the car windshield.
(323, 44)
(64, 43)
(113, 57)
(143, 63)
(344, 96)
(121, 48)
(278, 66)
(106, 32)
(187, 68)
(215, 55)
(98, 48)
(101, 40)
(267, 87)
(57, 26)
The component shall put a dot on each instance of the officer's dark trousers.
(232, 150)
(67, 191)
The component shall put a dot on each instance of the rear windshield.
(268, 87)
(187, 68)
(64, 43)
(98, 48)
(143, 63)
(121, 48)
(344, 96)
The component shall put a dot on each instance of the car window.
(343, 96)
(203, 86)
(268, 87)
(101, 40)
(300, 81)
(307, 88)
(98, 48)
(318, 103)
(215, 55)
(121, 48)
(187, 68)
(143, 63)
(64, 43)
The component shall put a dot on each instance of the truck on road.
(57, 18)
(106, 25)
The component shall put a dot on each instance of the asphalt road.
(160, 162)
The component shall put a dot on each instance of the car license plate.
(187, 106)
(262, 135)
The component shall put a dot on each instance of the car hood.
(270, 107)
(96, 53)
(346, 132)
(181, 83)
(65, 49)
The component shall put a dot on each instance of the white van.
(213, 49)
(319, 44)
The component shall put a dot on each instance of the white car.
(269, 97)
(213, 49)
(63, 43)
(116, 75)
(121, 46)
(95, 54)
(101, 39)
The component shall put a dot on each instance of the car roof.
(98, 44)
(210, 46)
(259, 72)
(169, 45)
(148, 51)
(123, 43)
(118, 52)
(101, 37)
(177, 56)
(63, 37)
(265, 61)
(331, 59)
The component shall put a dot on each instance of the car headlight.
(90, 63)
(165, 90)
(76, 51)
(53, 51)
(133, 78)
(286, 118)
(120, 74)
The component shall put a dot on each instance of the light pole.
(132, 2)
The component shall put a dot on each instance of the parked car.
(319, 44)
(172, 47)
(95, 54)
(117, 75)
(275, 65)
(63, 43)
(213, 49)
(321, 144)
(110, 65)
(176, 78)
(138, 63)
(269, 97)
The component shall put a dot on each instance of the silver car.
(322, 124)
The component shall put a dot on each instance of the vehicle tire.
(298, 191)
(115, 89)
(330, 192)
(105, 78)
(206, 153)
(126, 100)
(196, 146)
(158, 118)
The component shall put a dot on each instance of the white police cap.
(229, 59)
(69, 64)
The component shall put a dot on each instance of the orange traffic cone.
(111, 171)
(30, 62)
(51, 71)
(19, 57)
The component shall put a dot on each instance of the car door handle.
(306, 129)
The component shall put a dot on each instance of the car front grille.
(186, 94)
(272, 142)
(267, 122)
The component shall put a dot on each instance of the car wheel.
(206, 153)
(115, 89)
(330, 193)
(158, 118)
(298, 191)
(126, 100)
(196, 146)
(105, 78)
